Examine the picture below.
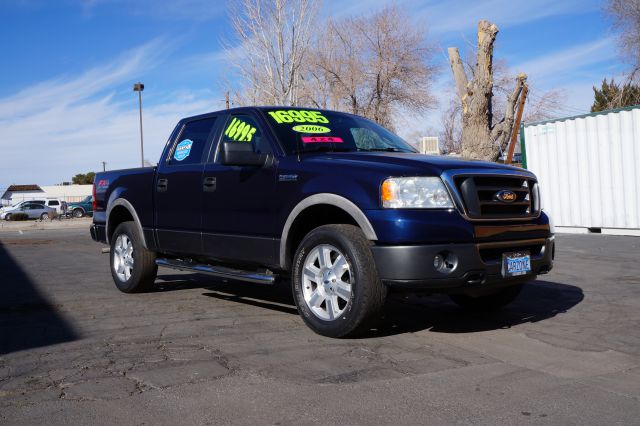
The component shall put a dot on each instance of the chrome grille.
(479, 195)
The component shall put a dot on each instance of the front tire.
(7, 217)
(78, 213)
(133, 267)
(489, 302)
(335, 282)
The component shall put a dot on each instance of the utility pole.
(226, 99)
(104, 166)
(516, 126)
(139, 87)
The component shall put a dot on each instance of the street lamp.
(139, 87)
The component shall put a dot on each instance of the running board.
(218, 271)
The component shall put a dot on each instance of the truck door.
(178, 188)
(239, 207)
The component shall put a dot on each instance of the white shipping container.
(429, 145)
(587, 167)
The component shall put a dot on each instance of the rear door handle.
(162, 185)
(209, 184)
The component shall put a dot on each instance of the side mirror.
(240, 154)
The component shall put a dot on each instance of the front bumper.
(479, 265)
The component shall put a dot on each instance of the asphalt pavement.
(74, 350)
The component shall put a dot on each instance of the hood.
(403, 164)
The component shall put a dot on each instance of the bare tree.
(541, 105)
(481, 137)
(274, 37)
(451, 134)
(626, 18)
(373, 66)
(335, 78)
(544, 106)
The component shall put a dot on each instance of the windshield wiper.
(388, 149)
(325, 149)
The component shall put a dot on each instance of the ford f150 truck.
(337, 204)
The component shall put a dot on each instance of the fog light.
(438, 261)
(445, 262)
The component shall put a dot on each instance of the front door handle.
(162, 185)
(209, 184)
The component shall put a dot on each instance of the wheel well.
(310, 218)
(118, 215)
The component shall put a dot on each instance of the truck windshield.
(306, 130)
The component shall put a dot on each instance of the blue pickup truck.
(336, 204)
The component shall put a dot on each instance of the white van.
(54, 203)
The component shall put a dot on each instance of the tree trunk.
(480, 139)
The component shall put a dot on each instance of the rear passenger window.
(191, 142)
(54, 203)
(243, 128)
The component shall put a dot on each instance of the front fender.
(330, 199)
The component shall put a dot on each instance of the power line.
(561, 106)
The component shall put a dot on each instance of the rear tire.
(44, 216)
(489, 302)
(335, 282)
(8, 217)
(133, 267)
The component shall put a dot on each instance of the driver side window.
(242, 128)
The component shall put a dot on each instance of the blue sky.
(66, 100)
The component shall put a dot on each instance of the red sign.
(321, 139)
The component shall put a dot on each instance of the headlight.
(415, 193)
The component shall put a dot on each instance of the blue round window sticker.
(183, 149)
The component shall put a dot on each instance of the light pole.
(139, 87)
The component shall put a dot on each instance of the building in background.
(69, 193)
(16, 193)
(587, 167)
(429, 145)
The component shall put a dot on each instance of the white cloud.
(462, 15)
(65, 90)
(198, 10)
(57, 128)
(562, 64)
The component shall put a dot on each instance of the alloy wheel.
(327, 282)
(123, 257)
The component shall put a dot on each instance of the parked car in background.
(7, 208)
(31, 209)
(82, 208)
(517, 157)
(54, 203)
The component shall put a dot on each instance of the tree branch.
(502, 131)
(458, 72)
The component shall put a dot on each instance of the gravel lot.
(74, 350)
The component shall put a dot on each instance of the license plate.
(516, 264)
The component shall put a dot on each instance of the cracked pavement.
(199, 350)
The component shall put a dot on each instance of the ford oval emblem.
(506, 196)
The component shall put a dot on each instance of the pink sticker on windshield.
(321, 139)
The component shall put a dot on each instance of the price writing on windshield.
(298, 116)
